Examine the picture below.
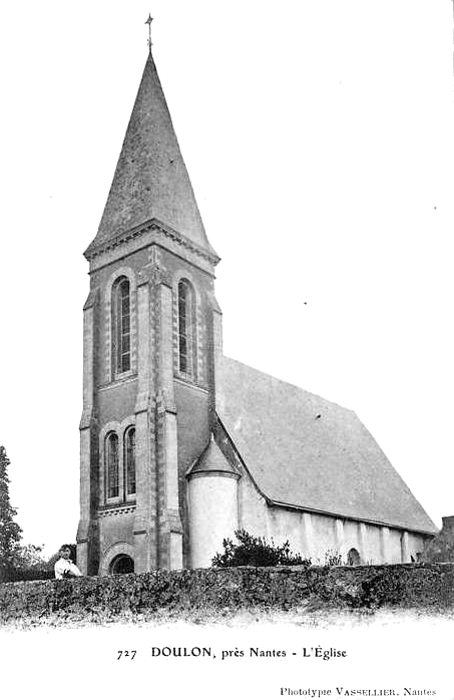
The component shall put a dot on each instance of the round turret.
(213, 505)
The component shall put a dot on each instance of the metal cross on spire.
(149, 21)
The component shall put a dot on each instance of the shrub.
(333, 558)
(256, 551)
(32, 574)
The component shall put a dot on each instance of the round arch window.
(122, 564)
(353, 558)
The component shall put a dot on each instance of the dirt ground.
(308, 616)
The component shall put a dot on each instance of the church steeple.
(151, 333)
(150, 180)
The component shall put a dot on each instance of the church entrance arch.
(122, 564)
(118, 559)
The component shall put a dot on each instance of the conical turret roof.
(212, 460)
(151, 180)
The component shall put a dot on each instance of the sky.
(318, 138)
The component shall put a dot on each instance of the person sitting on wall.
(64, 567)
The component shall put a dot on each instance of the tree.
(29, 556)
(10, 531)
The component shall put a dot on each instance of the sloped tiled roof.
(151, 180)
(304, 451)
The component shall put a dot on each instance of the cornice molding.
(94, 250)
(116, 510)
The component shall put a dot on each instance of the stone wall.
(404, 585)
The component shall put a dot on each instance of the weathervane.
(149, 21)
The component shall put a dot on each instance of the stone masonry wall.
(401, 585)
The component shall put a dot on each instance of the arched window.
(185, 327)
(130, 461)
(113, 483)
(353, 557)
(121, 326)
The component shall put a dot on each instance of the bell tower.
(151, 331)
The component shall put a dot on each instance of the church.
(179, 445)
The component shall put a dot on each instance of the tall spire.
(150, 180)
